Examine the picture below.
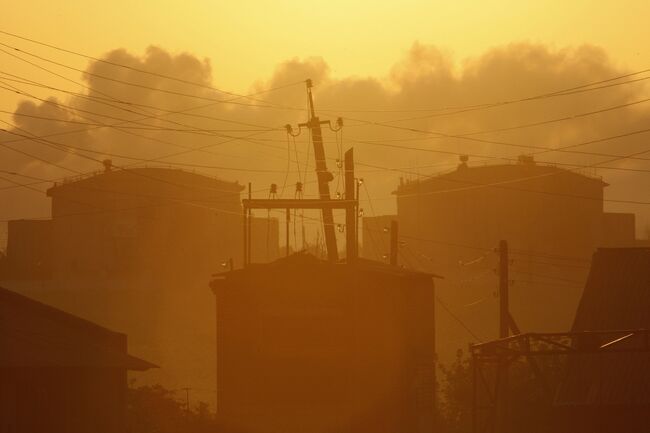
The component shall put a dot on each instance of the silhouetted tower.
(324, 176)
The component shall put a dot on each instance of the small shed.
(313, 346)
(60, 373)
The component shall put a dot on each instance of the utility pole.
(504, 331)
(324, 176)
(504, 308)
(394, 242)
(351, 218)
(187, 402)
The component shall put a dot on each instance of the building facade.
(133, 249)
(306, 345)
(60, 373)
(552, 218)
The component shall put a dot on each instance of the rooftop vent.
(526, 159)
(463, 161)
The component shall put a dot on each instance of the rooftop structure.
(59, 372)
(595, 377)
(551, 217)
(311, 345)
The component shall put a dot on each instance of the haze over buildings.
(451, 223)
(133, 250)
(327, 216)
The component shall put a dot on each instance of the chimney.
(463, 161)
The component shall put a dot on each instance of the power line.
(613, 168)
(102, 101)
(188, 149)
(156, 74)
(120, 130)
(475, 185)
(149, 116)
(439, 135)
(552, 284)
(537, 262)
(117, 126)
(113, 99)
(458, 319)
(64, 148)
(548, 256)
(549, 277)
(365, 142)
(131, 158)
(143, 86)
(465, 136)
(564, 92)
(91, 89)
(143, 128)
(561, 92)
(97, 99)
(562, 149)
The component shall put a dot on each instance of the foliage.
(155, 409)
(456, 395)
(528, 401)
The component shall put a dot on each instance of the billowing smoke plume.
(148, 124)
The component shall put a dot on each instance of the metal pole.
(351, 212)
(245, 226)
(250, 223)
(393, 242)
(504, 312)
(474, 393)
(187, 402)
(501, 393)
(287, 230)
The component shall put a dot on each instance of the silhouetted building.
(60, 373)
(132, 249)
(29, 249)
(144, 220)
(552, 218)
(310, 346)
(595, 378)
(610, 392)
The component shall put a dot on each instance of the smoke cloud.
(425, 79)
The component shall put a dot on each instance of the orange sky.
(246, 39)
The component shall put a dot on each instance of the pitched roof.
(616, 297)
(617, 293)
(34, 334)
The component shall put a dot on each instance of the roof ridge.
(56, 313)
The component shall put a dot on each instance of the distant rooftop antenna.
(526, 159)
(463, 161)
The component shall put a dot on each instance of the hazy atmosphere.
(185, 231)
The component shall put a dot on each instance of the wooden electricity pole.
(504, 332)
(350, 217)
(324, 176)
(504, 308)
(394, 242)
